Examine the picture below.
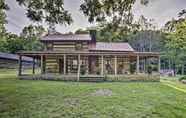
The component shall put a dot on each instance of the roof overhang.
(58, 53)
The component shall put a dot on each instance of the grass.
(174, 82)
(51, 99)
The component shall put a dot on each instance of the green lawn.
(52, 99)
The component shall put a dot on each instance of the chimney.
(93, 36)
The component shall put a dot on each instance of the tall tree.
(49, 11)
(81, 31)
(113, 16)
(146, 34)
(31, 34)
(32, 31)
(176, 44)
(182, 13)
(3, 7)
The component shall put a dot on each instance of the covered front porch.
(91, 65)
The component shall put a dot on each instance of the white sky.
(160, 10)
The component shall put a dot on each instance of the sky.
(159, 10)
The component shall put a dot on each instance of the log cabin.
(80, 55)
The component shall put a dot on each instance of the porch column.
(159, 64)
(33, 66)
(20, 66)
(64, 64)
(137, 64)
(79, 67)
(42, 64)
(115, 65)
(102, 65)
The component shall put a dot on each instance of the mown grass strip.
(168, 83)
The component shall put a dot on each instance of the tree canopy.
(32, 31)
(3, 7)
(49, 11)
(114, 17)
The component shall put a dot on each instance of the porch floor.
(92, 78)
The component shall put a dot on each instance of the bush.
(83, 69)
(149, 69)
(132, 68)
(182, 78)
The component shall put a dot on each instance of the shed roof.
(66, 37)
(14, 57)
(103, 46)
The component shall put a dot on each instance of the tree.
(31, 35)
(3, 7)
(182, 13)
(81, 31)
(49, 11)
(11, 43)
(176, 44)
(114, 17)
(111, 11)
(32, 31)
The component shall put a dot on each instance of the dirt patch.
(71, 102)
(102, 92)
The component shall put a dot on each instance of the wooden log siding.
(123, 65)
(60, 46)
(52, 65)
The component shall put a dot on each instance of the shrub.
(98, 71)
(182, 78)
(149, 69)
(132, 68)
(83, 69)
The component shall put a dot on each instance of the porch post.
(79, 67)
(159, 64)
(115, 65)
(102, 65)
(33, 66)
(64, 64)
(20, 66)
(42, 64)
(137, 64)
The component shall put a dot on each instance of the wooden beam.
(64, 64)
(33, 66)
(159, 64)
(115, 65)
(137, 64)
(20, 66)
(79, 67)
(102, 65)
(141, 54)
(43, 63)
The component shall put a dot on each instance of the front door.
(61, 66)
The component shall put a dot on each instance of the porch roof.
(39, 53)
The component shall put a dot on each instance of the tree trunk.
(174, 68)
(183, 67)
(169, 64)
